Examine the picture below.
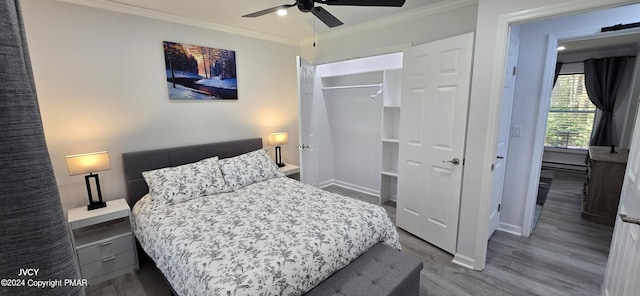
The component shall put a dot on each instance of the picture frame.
(196, 72)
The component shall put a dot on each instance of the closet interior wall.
(354, 122)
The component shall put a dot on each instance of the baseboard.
(509, 228)
(350, 186)
(463, 261)
(325, 183)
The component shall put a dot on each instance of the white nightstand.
(103, 241)
(291, 171)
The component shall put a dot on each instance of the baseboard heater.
(567, 166)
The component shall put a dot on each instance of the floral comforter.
(276, 237)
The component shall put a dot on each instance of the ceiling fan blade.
(390, 3)
(268, 10)
(326, 17)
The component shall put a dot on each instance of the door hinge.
(499, 206)
(514, 71)
(493, 166)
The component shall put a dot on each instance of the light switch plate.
(516, 131)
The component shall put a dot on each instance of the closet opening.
(354, 114)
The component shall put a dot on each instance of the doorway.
(536, 66)
(572, 117)
(535, 74)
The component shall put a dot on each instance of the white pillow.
(185, 182)
(249, 168)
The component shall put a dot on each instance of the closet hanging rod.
(352, 86)
(379, 92)
(373, 96)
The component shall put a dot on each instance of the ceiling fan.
(322, 14)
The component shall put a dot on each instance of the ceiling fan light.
(282, 12)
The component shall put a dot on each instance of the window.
(571, 114)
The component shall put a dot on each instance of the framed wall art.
(197, 72)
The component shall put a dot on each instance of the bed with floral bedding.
(251, 231)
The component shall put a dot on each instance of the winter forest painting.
(200, 73)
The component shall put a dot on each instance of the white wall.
(355, 121)
(101, 86)
(323, 138)
(395, 36)
(632, 104)
(533, 46)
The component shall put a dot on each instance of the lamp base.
(96, 205)
(279, 162)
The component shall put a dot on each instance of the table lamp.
(90, 163)
(277, 139)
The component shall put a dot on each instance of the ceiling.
(295, 26)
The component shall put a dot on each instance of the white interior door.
(502, 145)
(308, 158)
(623, 268)
(433, 119)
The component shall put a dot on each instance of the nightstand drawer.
(105, 249)
(107, 265)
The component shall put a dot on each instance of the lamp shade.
(88, 163)
(276, 139)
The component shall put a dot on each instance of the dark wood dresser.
(605, 173)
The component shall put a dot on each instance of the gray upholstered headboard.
(135, 163)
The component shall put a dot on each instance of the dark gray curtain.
(33, 231)
(602, 80)
(557, 73)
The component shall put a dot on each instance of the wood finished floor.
(565, 255)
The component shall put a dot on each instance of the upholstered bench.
(380, 271)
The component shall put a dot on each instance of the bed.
(265, 234)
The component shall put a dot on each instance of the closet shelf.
(392, 173)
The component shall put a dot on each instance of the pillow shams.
(185, 182)
(249, 168)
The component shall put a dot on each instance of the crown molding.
(436, 8)
(163, 16)
(439, 7)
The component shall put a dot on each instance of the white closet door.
(433, 118)
(502, 145)
(623, 269)
(308, 157)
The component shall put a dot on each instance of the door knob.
(302, 147)
(454, 161)
(627, 219)
(500, 157)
